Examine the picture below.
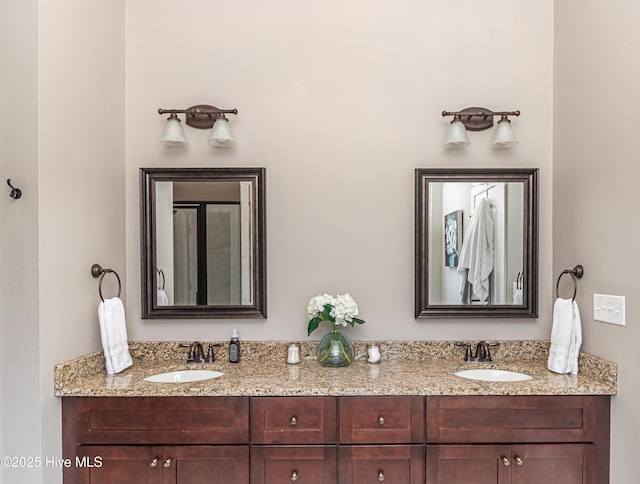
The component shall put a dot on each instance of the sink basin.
(184, 376)
(487, 374)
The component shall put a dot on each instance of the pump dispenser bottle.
(234, 347)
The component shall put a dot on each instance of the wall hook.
(15, 192)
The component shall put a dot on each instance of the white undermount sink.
(488, 374)
(184, 376)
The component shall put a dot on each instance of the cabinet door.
(477, 464)
(201, 464)
(548, 463)
(286, 464)
(399, 464)
(117, 464)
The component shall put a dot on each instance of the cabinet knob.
(153, 463)
(380, 476)
(166, 463)
(293, 421)
(380, 420)
(518, 460)
(294, 476)
(506, 461)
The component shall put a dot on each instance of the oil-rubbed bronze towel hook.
(15, 192)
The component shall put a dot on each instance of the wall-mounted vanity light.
(201, 116)
(479, 119)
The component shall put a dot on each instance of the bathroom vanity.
(405, 420)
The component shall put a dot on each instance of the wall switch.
(608, 309)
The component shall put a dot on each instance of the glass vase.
(335, 349)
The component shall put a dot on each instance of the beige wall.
(340, 102)
(63, 144)
(81, 168)
(19, 402)
(596, 172)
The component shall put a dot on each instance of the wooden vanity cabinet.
(159, 440)
(329, 440)
(518, 439)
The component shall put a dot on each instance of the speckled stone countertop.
(406, 368)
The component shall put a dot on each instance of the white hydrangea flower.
(317, 303)
(344, 309)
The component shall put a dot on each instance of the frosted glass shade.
(221, 135)
(457, 136)
(173, 134)
(504, 137)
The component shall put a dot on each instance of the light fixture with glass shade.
(479, 119)
(173, 134)
(504, 137)
(221, 135)
(201, 116)
(457, 135)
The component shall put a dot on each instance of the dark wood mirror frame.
(148, 178)
(423, 178)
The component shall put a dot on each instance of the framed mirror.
(203, 243)
(476, 243)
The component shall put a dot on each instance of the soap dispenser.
(234, 347)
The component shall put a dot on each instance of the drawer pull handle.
(518, 460)
(294, 476)
(380, 420)
(293, 421)
(506, 461)
(380, 476)
(167, 463)
(153, 463)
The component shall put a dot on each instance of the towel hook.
(576, 273)
(98, 271)
(15, 192)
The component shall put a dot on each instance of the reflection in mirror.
(203, 242)
(476, 243)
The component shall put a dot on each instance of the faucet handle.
(493, 343)
(211, 357)
(467, 352)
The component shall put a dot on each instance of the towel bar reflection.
(576, 273)
(98, 271)
(160, 273)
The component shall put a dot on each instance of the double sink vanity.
(423, 414)
(410, 418)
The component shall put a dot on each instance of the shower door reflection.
(206, 244)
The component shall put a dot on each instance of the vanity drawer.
(400, 464)
(388, 420)
(306, 464)
(489, 419)
(159, 420)
(293, 420)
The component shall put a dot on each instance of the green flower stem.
(342, 349)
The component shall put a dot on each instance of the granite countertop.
(407, 368)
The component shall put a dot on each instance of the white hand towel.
(113, 331)
(566, 337)
(476, 256)
(163, 299)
